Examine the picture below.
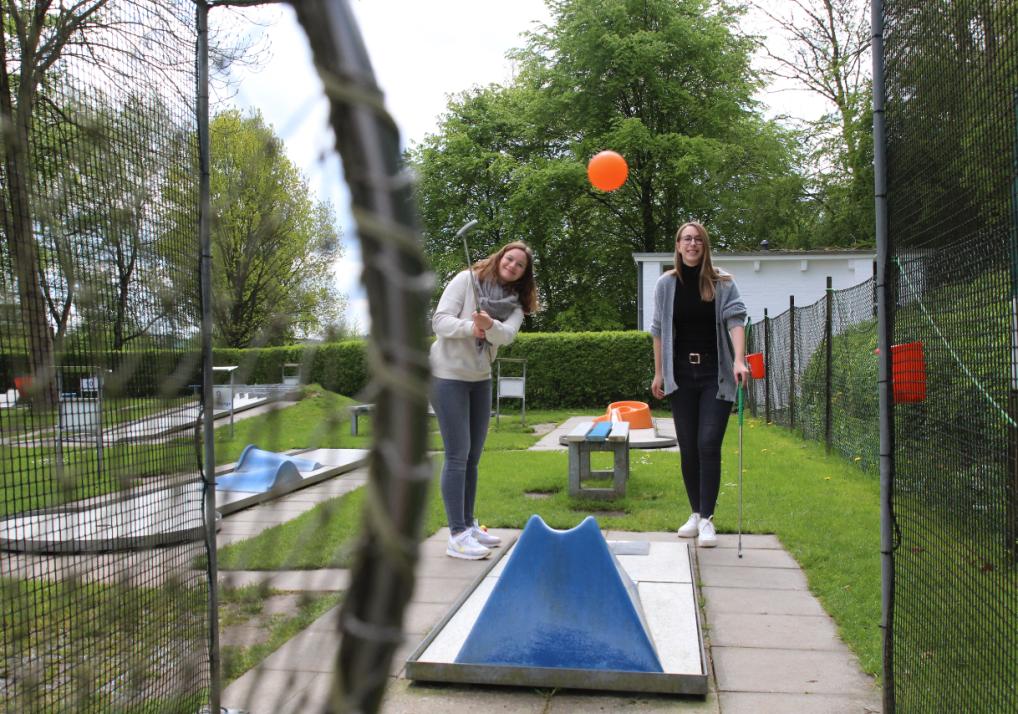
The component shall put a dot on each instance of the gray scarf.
(497, 300)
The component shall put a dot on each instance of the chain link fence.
(102, 585)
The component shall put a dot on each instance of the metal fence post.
(767, 356)
(829, 339)
(791, 361)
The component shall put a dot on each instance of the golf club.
(740, 469)
(462, 233)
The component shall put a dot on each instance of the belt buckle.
(694, 358)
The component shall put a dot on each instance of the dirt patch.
(542, 429)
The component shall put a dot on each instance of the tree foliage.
(666, 83)
(952, 112)
(273, 246)
(828, 54)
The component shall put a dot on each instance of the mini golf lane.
(149, 517)
(663, 592)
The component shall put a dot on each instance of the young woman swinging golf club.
(699, 361)
(480, 309)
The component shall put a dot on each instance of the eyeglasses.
(691, 239)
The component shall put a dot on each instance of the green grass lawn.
(824, 509)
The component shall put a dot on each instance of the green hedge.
(584, 369)
(579, 369)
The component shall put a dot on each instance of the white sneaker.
(691, 527)
(482, 536)
(464, 546)
(708, 536)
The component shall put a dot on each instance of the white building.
(766, 279)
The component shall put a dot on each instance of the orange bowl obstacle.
(636, 413)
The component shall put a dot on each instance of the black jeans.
(700, 422)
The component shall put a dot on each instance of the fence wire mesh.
(104, 596)
(951, 92)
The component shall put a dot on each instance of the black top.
(693, 322)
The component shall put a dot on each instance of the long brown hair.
(709, 275)
(525, 288)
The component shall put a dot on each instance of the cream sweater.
(454, 353)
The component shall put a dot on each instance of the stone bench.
(588, 437)
(358, 409)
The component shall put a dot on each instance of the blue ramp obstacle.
(562, 601)
(259, 471)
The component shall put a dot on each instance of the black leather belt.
(698, 357)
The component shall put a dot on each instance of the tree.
(827, 53)
(104, 279)
(668, 84)
(273, 247)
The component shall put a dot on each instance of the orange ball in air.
(607, 170)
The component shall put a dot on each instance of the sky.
(421, 52)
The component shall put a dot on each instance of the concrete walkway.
(770, 645)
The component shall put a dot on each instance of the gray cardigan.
(729, 311)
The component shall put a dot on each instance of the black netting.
(104, 596)
(952, 88)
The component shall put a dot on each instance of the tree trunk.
(17, 223)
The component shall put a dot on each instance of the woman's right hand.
(483, 320)
(657, 387)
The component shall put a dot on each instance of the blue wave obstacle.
(562, 601)
(259, 471)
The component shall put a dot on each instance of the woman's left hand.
(741, 372)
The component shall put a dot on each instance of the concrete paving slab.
(797, 632)
(759, 703)
(756, 578)
(664, 563)
(445, 590)
(420, 617)
(654, 536)
(405, 697)
(264, 690)
(672, 608)
(579, 702)
(749, 541)
(304, 653)
(751, 669)
(310, 698)
(751, 557)
(762, 602)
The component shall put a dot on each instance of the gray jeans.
(463, 410)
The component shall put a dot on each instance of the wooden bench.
(588, 437)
